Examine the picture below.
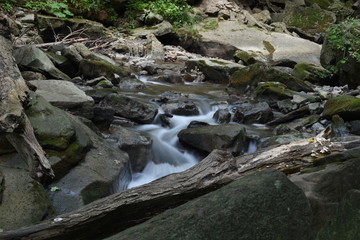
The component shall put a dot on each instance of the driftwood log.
(13, 122)
(122, 210)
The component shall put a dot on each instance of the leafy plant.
(174, 11)
(56, 8)
(7, 5)
(345, 37)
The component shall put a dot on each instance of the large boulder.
(32, 58)
(23, 201)
(347, 107)
(136, 144)
(131, 108)
(326, 184)
(276, 46)
(64, 140)
(215, 70)
(231, 137)
(251, 75)
(67, 96)
(346, 224)
(262, 206)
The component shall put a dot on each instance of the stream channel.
(169, 156)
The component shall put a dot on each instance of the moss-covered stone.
(312, 73)
(255, 73)
(249, 57)
(309, 19)
(324, 4)
(272, 91)
(347, 107)
(92, 69)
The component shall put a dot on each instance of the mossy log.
(120, 211)
(13, 121)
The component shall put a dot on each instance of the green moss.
(211, 24)
(322, 3)
(218, 62)
(307, 18)
(273, 91)
(347, 107)
(202, 63)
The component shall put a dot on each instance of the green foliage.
(7, 5)
(345, 37)
(174, 11)
(56, 8)
(54, 189)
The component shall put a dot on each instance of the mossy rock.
(255, 73)
(249, 57)
(312, 73)
(308, 19)
(324, 4)
(273, 91)
(347, 107)
(92, 69)
(63, 139)
(52, 130)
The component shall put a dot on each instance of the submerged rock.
(231, 137)
(262, 206)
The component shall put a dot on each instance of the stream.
(169, 156)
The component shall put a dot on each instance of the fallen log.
(13, 121)
(122, 210)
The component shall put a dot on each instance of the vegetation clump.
(345, 37)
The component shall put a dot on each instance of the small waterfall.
(167, 156)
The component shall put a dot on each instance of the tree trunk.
(122, 210)
(13, 121)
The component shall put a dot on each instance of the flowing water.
(168, 155)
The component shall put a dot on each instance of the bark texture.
(13, 121)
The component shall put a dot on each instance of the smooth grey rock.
(67, 96)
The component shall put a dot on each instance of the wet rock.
(231, 137)
(91, 69)
(249, 113)
(303, 123)
(181, 107)
(66, 96)
(131, 108)
(354, 127)
(222, 116)
(164, 118)
(272, 92)
(196, 124)
(95, 81)
(267, 200)
(63, 63)
(338, 127)
(347, 107)
(216, 71)
(251, 75)
(23, 201)
(32, 58)
(345, 224)
(136, 144)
